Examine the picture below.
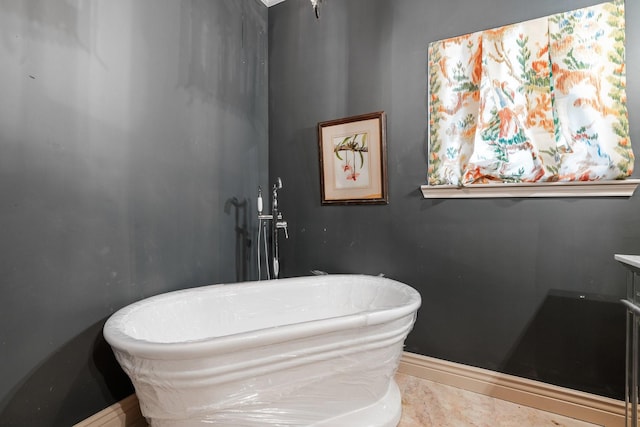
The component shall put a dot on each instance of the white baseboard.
(558, 400)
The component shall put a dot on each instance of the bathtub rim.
(114, 334)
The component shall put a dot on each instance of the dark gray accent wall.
(524, 286)
(133, 136)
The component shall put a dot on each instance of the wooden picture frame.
(353, 160)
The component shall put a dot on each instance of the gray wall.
(133, 135)
(526, 286)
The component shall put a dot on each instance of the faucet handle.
(283, 225)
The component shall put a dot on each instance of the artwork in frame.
(353, 160)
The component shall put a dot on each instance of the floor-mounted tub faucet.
(277, 223)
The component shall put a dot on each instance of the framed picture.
(353, 160)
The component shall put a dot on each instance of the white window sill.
(620, 188)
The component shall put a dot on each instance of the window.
(541, 101)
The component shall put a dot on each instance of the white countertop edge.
(629, 260)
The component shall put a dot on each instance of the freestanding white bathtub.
(308, 351)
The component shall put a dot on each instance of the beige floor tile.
(429, 404)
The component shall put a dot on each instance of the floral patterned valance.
(542, 100)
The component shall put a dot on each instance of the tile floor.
(429, 404)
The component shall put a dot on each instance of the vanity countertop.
(630, 261)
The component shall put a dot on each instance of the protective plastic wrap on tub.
(334, 369)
